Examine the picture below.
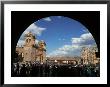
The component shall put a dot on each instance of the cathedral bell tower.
(29, 47)
(29, 39)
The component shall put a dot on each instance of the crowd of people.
(37, 69)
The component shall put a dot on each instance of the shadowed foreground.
(54, 70)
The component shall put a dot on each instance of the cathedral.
(88, 55)
(32, 51)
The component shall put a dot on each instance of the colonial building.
(64, 60)
(88, 55)
(32, 51)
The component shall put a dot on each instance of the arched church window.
(29, 40)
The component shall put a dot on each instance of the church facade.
(32, 51)
(88, 55)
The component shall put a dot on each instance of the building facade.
(64, 60)
(88, 55)
(32, 51)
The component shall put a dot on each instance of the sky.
(63, 36)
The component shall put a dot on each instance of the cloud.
(59, 16)
(47, 19)
(57, 53)
(85, 30)
(85, 40)
(36, 30)
(20, 43)
(66, 50)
